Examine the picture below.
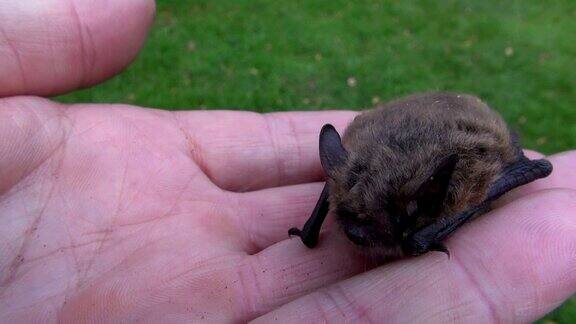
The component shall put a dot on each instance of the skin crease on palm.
(120, 213)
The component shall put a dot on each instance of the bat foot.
(439, 247)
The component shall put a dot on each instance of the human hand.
(113, 212)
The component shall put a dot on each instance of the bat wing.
(311, 230)
(521, 172)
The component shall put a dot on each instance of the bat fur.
(413, 162)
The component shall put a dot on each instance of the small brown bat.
(409, 173)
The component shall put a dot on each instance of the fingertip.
(533, 155)
(117, 30)
(58, 46)
(563, 175)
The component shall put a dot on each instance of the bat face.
(378, 231)
(378, 212)
(407, 174)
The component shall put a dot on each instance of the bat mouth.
(366, 236)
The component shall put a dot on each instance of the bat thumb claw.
(294, 231)
(440, 248)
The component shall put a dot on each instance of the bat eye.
(358, 235)
(411, 207)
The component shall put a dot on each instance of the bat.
(407, 174)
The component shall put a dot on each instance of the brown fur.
(394, 148)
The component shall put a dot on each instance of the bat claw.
(309, 240)
(440, 248)
(294, 231)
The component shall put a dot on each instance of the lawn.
(307, 55)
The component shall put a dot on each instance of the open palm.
(112, 213)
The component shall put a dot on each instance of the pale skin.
(114, 212)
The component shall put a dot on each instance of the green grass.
(306, 55)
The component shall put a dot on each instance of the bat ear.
(332, 153)
(431, 194)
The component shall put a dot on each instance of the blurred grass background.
(258, 55)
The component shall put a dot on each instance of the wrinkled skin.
(113, 213)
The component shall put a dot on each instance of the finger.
(533, 155)
(50, 47)
(266, 215)
(563, 176)
(242, 151)
(288, 270)
(512, 265)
